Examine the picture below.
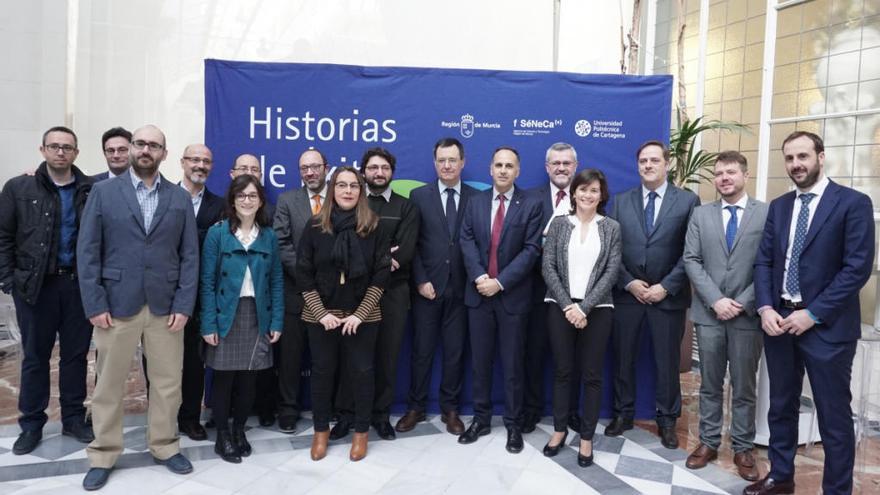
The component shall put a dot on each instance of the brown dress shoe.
(746, 465)
(409, 421)
(769, 486)
(701, 456)
(319, 445)
(358, 446)
(453, 422)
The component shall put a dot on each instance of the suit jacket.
(836, 261)
(122, 266)
(654, 258)
(543, 197)
(518, 249)
(99, 177)
(292, 214)
(211, 211)
(717, 272)
(438, 256)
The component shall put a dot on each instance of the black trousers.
(266, 385)
(57, 311)
(355, 356)
(289, 364)
(667, 329)
(536, 350)
(233, 391)
(193, 380)
(442, 319)
(582, 349)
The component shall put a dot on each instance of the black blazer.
(210, 212)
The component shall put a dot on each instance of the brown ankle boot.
(319, 445)
(358, 447)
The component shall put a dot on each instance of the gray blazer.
(122, 267)
(716, 272)
(554, 266)
(292, 213)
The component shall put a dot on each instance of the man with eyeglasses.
(39, 226)
(138, 260)
(116, 143)
(561, 164)
(295, 209)
(401, 218)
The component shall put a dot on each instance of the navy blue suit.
(438, 260)
(504, 315)
(835, 263)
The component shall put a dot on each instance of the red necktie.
(497, 225)
(559, 195)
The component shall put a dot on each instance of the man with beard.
(138, 261)
(400, 218)
(810, 311)
(115, 142)
(39, 222)
(295, 209)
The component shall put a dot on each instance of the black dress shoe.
(617, 426)
(341, 428)
(668, 437)
(79, 431)
(267, 419)
(574, 423)
(287, 423)
(193, 430)
(769, 486)
(96, 478)
(384, 429)
(177, 464)
(474, 431)
(27, 441)
(552, 450)
(240, 441)
(514, 441)
(225, 447)
(530, 422)
(210, 422)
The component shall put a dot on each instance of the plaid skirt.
(243, 348)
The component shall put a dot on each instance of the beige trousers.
(116, 347)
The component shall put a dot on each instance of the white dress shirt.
(442, 188)
(247, 285)
(661, 193)
(740, 208)
(818, 189)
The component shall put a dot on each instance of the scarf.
(347, 254)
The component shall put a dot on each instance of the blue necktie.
(450, 211)
(730, 235)
(793, 282)
(649, 212)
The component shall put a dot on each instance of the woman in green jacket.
(241, 292)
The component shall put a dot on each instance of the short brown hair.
(654, 142)
(818, 144)
(733, 156)
(588, 176)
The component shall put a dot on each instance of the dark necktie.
(649, 212)
(793, 282)
(496, 237)
(730, 235)
(450, 211)
(560, 195)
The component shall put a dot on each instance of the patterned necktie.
(649, 212)
(793, 282)
(496, 237)
(730, 235)
(316, 206)
(450, 211)
(560, 195)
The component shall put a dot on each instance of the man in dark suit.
(197, 162)
(295, 209)
(138, 261)
(500, 242)
(560, 163)
(810, 311)
(719, 256)
(115, 142)
(438, 272)
(652, 289)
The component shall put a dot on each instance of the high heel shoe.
(552, 450)
(319, 445)
(585, 460)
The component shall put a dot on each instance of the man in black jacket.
(39, 223)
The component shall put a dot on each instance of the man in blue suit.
(138, 263)
(500, 242)
(810, 312)
(438, 309)
(652, 289)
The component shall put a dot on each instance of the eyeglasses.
(447, 161)
(247, 197)
(374, 168)
(122, 150)
(139, 145)
(311, 167)
(245, 170)
(195, 160)
(342, 186)
(65, 148)
(558, 163)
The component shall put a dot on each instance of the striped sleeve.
(314, 305)
(369, 304)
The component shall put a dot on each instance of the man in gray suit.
(652, 289)
(293, 211)
(719, 256)
(138, 263)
